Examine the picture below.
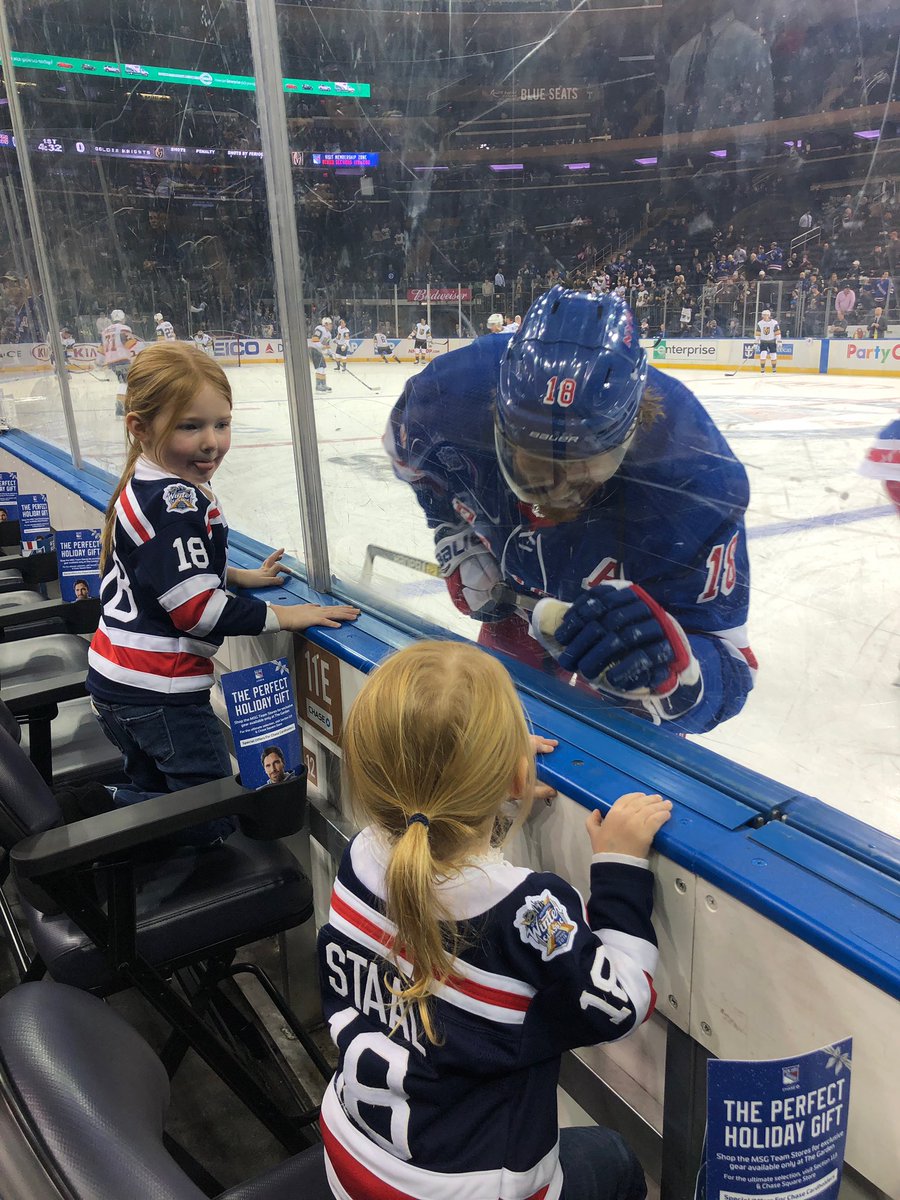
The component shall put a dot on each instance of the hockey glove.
(624, 644)
(470, 571)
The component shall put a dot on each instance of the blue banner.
(78, 554)
(777, 1128)
(9, 496)
(34, 518)
(262, 713)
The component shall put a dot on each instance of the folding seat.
(83, 1103)
(113, 902)
(43, 667)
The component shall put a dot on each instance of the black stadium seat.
(83, 1103)
(111, 903)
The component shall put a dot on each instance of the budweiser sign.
(419, 296)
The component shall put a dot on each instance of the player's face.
(200, 440)
(273, 765)
(558, 489)
(81, 591)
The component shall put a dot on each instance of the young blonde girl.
(166, 610)
(452, 980)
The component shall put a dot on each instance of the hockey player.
(341, 345)
(383, 347)
(319, 346)
(599, 482)
(203, 341)
(421, 338)
(165, 330)
(119, 346)
(768, 337)
(67, 340)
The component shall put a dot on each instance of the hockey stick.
(731, 374)
(353, 375)
(423, 565)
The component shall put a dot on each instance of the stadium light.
(719, 153)
(646, 162)
(507, 166)
(868, 134)
(578, 166)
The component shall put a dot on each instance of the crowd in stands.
(680, 274)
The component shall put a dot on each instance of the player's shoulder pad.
(452, 398)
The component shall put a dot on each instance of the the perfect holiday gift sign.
(34, 521)
(9, 496)
(78, 554)
(262, 713)
(777, 1128)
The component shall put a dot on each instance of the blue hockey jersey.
(165, 608)
(474, 1115)
(671, 519)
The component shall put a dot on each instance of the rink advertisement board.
(797, 354)
(78, 555)
(9, 496)
(777, 1128)
(264, 350)
(852, 356)
(262, 714)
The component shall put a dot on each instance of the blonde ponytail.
(431, 747)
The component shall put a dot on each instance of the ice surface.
(824, 545)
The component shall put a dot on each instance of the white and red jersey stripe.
(165, 607)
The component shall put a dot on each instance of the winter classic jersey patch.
(544, 923)
(180, 497)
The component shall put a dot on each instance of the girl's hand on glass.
(268, 575)
(543, 745)
(304, 616)
(630, 825)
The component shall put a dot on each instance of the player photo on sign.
(586, 510)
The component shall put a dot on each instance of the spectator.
(844, 301)
(878, 324)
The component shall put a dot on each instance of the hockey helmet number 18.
(570, 388)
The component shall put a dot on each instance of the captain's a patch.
(544, 923)
(180, 497)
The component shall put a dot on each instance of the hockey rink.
(824, 545)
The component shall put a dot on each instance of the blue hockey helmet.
(570, 388)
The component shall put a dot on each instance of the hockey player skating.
(119, 346)
(383, 348)
(421, 339)
(341, 345)
(594, 480)
(165, 330)
(67, 341)
(203, 341)
(319, 346)
(768, 337)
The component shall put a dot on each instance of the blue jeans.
(598, 1165)
(167, 747)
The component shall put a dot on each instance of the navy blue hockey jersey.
(474, 1115)
(165, 608)
(671, 519)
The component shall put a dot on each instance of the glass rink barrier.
(540, 324)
